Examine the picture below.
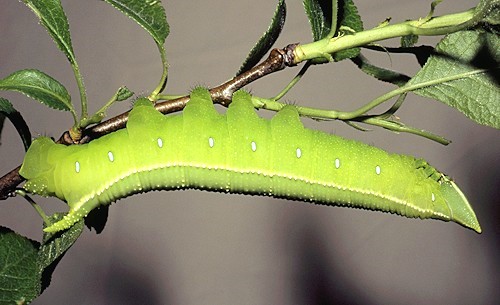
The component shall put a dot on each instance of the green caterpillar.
(238, 152)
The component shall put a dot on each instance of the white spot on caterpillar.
(298, 153)
(337, 163)
(377, 170)
(77, 166)
(110, 156)
(160, 142)
(254, 146)
(433, 197)
(211, 142)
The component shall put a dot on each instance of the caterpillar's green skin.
(238, 152)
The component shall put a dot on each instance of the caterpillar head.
(38, 167)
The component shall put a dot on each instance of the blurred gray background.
(193, 247)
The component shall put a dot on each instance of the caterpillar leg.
(68, 220)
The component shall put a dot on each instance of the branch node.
(288, 55)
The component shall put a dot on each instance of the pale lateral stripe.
(398, 201)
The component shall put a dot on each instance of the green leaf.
(40, 87)
(149, 14)
(379, 73)
(491, 10)
(19, 273)
(493, 18)
(56, 244)
(348, 17)
(267, 39)
(7, 110)
(54, 247)
(319, 13)
(52, 17)
(464, 74)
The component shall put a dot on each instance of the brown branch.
(9, 182)
(278, 59)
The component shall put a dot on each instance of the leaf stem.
(399, 127)
(360, 113)
(81, 88)
(381, 121)
(37, 208)
(163, 81)
(401, 90)
(294, 81)
(333, 25)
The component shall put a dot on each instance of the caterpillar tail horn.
(461, 210)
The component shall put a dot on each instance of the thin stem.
(401, 90)
(319, 114)
(73, 114)
(100, 114)
(333, 26)
(294, 81)
(397, 127)
(81, 88)
(163, 81)
(394, 107)
(37, 208)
